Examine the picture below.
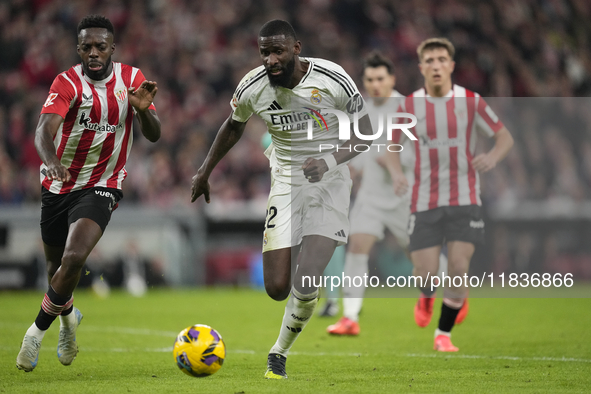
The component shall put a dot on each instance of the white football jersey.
(325, 86)
(376, 183)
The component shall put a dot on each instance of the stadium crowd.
(198, 52)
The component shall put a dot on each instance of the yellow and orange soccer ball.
(199, 351)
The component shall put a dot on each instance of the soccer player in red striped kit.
(83, 138)
(445, 199)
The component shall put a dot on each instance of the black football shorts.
(59, 211)
(444, 224)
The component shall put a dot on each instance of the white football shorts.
(366, 218)
(295, 211)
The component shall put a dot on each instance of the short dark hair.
(277, 27)
(376, 59)
(99, 21)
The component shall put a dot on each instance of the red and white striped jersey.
(444, 175)
(95, 138)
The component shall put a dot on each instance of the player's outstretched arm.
(314, 169)
(226, 138)
(46, 129)
(391, 161)
(487, 161)
(141, 99)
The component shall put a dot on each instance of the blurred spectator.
(198, 51)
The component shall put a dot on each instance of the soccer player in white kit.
(377, 207)
(445, 200)
(308, 207)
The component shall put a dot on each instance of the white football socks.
(298, 311)
(34, 331)
(69, 320)
(355, 265)
(438, 332)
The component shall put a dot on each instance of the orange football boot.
(345, 326)
(443, 344)
(424, 310)
(463, 312)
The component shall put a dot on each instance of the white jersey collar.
(447, 96)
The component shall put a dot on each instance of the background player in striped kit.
(308, 204)
(445, 200)
(83, 138)
(376, 207)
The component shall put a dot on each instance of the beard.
(100, 74)
(284, 78)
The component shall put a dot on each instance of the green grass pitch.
(506, 345)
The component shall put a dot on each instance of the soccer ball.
(199, 351)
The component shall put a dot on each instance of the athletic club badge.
(460, 113)
(121, 94)
(316, 98)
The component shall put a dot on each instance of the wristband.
(330, 160)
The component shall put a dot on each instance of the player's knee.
(458, 265)
(73, 261)
(422, 271)
(360, 243)
(356, 247)
(278, 291)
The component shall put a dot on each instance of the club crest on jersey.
(121, 94)
(50, 99)
(316, 98)
(460, 113)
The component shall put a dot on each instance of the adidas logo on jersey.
(340, 234)
(274, 106)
